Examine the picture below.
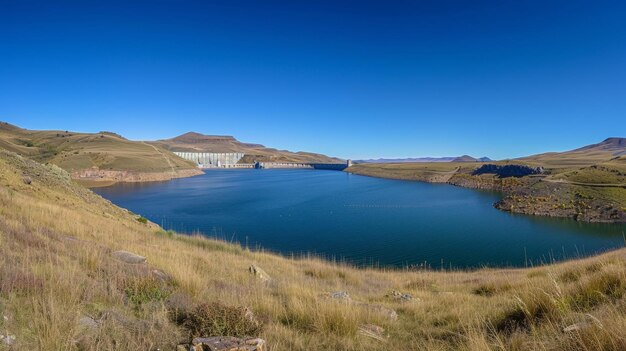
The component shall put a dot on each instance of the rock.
(340, 295)
(128, 257)
(7, 339)
(27, 180)
(395, 294)
(373, 331)
(160, 275)
(88, 322)
(259, 273)
(227, 343)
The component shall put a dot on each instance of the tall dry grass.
(56, 269)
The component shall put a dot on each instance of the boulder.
(128, 257)
(259, 273)
(396, 295)
(7, 339)
(88, 322)
(340, 295)
(373, 331)
(227, 343)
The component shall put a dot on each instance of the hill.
(584, 156)
(78, 284)
(99, 157)
(196, 142)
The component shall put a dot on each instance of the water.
(360, 219)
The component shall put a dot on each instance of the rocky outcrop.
(101, 175)
(128, 257)
(224, 343)
(506, 171)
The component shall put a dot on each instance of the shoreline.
(526, 195)
(96, 178)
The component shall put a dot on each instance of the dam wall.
(212, 159)
(231, 159)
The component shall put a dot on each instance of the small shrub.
(143, 290)
(213, 319)
(491, 289)
(142, 219)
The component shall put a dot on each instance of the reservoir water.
(362, 220)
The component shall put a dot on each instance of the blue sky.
(353, 79)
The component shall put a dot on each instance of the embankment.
(94, 176)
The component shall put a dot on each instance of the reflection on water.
(362, 220)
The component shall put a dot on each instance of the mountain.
(197, 142)
(610, 148)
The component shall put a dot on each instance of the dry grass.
(56, 240)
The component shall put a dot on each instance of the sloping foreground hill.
(196, 142)
(102, 156)
(65, 285)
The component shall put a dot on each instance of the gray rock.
(7, 339)
(160, 275)
(128, 257)
(340, 295)
(27, 180)
(373, 331)
(88, 322)
(227, 343)
(259, 273)
(395, 294)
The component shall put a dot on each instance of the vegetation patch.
(214, 319)
(143, 290)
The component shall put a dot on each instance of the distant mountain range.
(464, 158)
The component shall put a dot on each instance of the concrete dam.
(231, 160)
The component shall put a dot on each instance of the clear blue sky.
(353, 79)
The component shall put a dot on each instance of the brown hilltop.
(197, 142)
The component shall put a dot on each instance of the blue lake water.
(359, 219)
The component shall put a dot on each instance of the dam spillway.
(212, 159)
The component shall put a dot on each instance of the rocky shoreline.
(531, 196)
(99, 176)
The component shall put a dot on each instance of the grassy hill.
(607, 150)
(196, 142)
(105, 151)
(64, 287)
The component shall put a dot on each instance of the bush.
(140, 291)
(216, 319)
(142, 219)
